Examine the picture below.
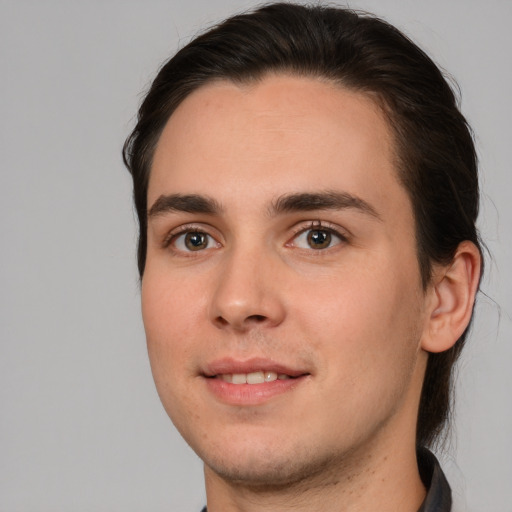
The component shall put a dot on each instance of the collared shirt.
(439, 494)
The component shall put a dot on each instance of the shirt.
(439, 494)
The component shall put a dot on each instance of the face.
(282, 298)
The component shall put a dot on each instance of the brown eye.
(319, 238)
(196, 241)
(193, 241)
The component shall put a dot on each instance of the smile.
(259, 377)
(251, 382)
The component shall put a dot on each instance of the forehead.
(280, 135)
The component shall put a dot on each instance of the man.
(307, 194)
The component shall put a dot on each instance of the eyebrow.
(329, 200)
(188, 203)
(299, 202)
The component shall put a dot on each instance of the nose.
(248, 292)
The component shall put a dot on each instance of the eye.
(317, 238)
(193, 241)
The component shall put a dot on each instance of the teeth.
(270, 376)
(251, 378)
(255, 378)
(239, 378)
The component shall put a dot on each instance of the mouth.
(251, 382)
(259, 377)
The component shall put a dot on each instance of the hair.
(435, 155)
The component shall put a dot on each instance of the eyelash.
(316, 225)
(183, 230)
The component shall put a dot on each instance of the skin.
(352, 317)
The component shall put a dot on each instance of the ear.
(452, 298)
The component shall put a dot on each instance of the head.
(433, 151)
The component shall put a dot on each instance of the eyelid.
(188, 228)
(300, 229)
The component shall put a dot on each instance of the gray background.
(81, 427)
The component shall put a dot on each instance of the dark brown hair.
(436, 160)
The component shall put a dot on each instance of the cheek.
(365, 319)
(169, 312)
(170, 305)
(368, 345)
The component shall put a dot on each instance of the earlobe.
(453, 295)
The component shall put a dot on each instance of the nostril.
(256, 318)
(221, 321)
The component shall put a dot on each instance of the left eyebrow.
(188, 203)
(330, 200)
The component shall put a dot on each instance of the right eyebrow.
(328, 200)
(188, 203)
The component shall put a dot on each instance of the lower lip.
(250, 394)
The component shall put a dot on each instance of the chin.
(267, 468)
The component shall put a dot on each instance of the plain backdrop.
(81, 426)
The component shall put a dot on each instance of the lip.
(250, 394)
(257, 364)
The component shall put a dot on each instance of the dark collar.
(439, 494)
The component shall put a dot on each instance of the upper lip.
(230, 365)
